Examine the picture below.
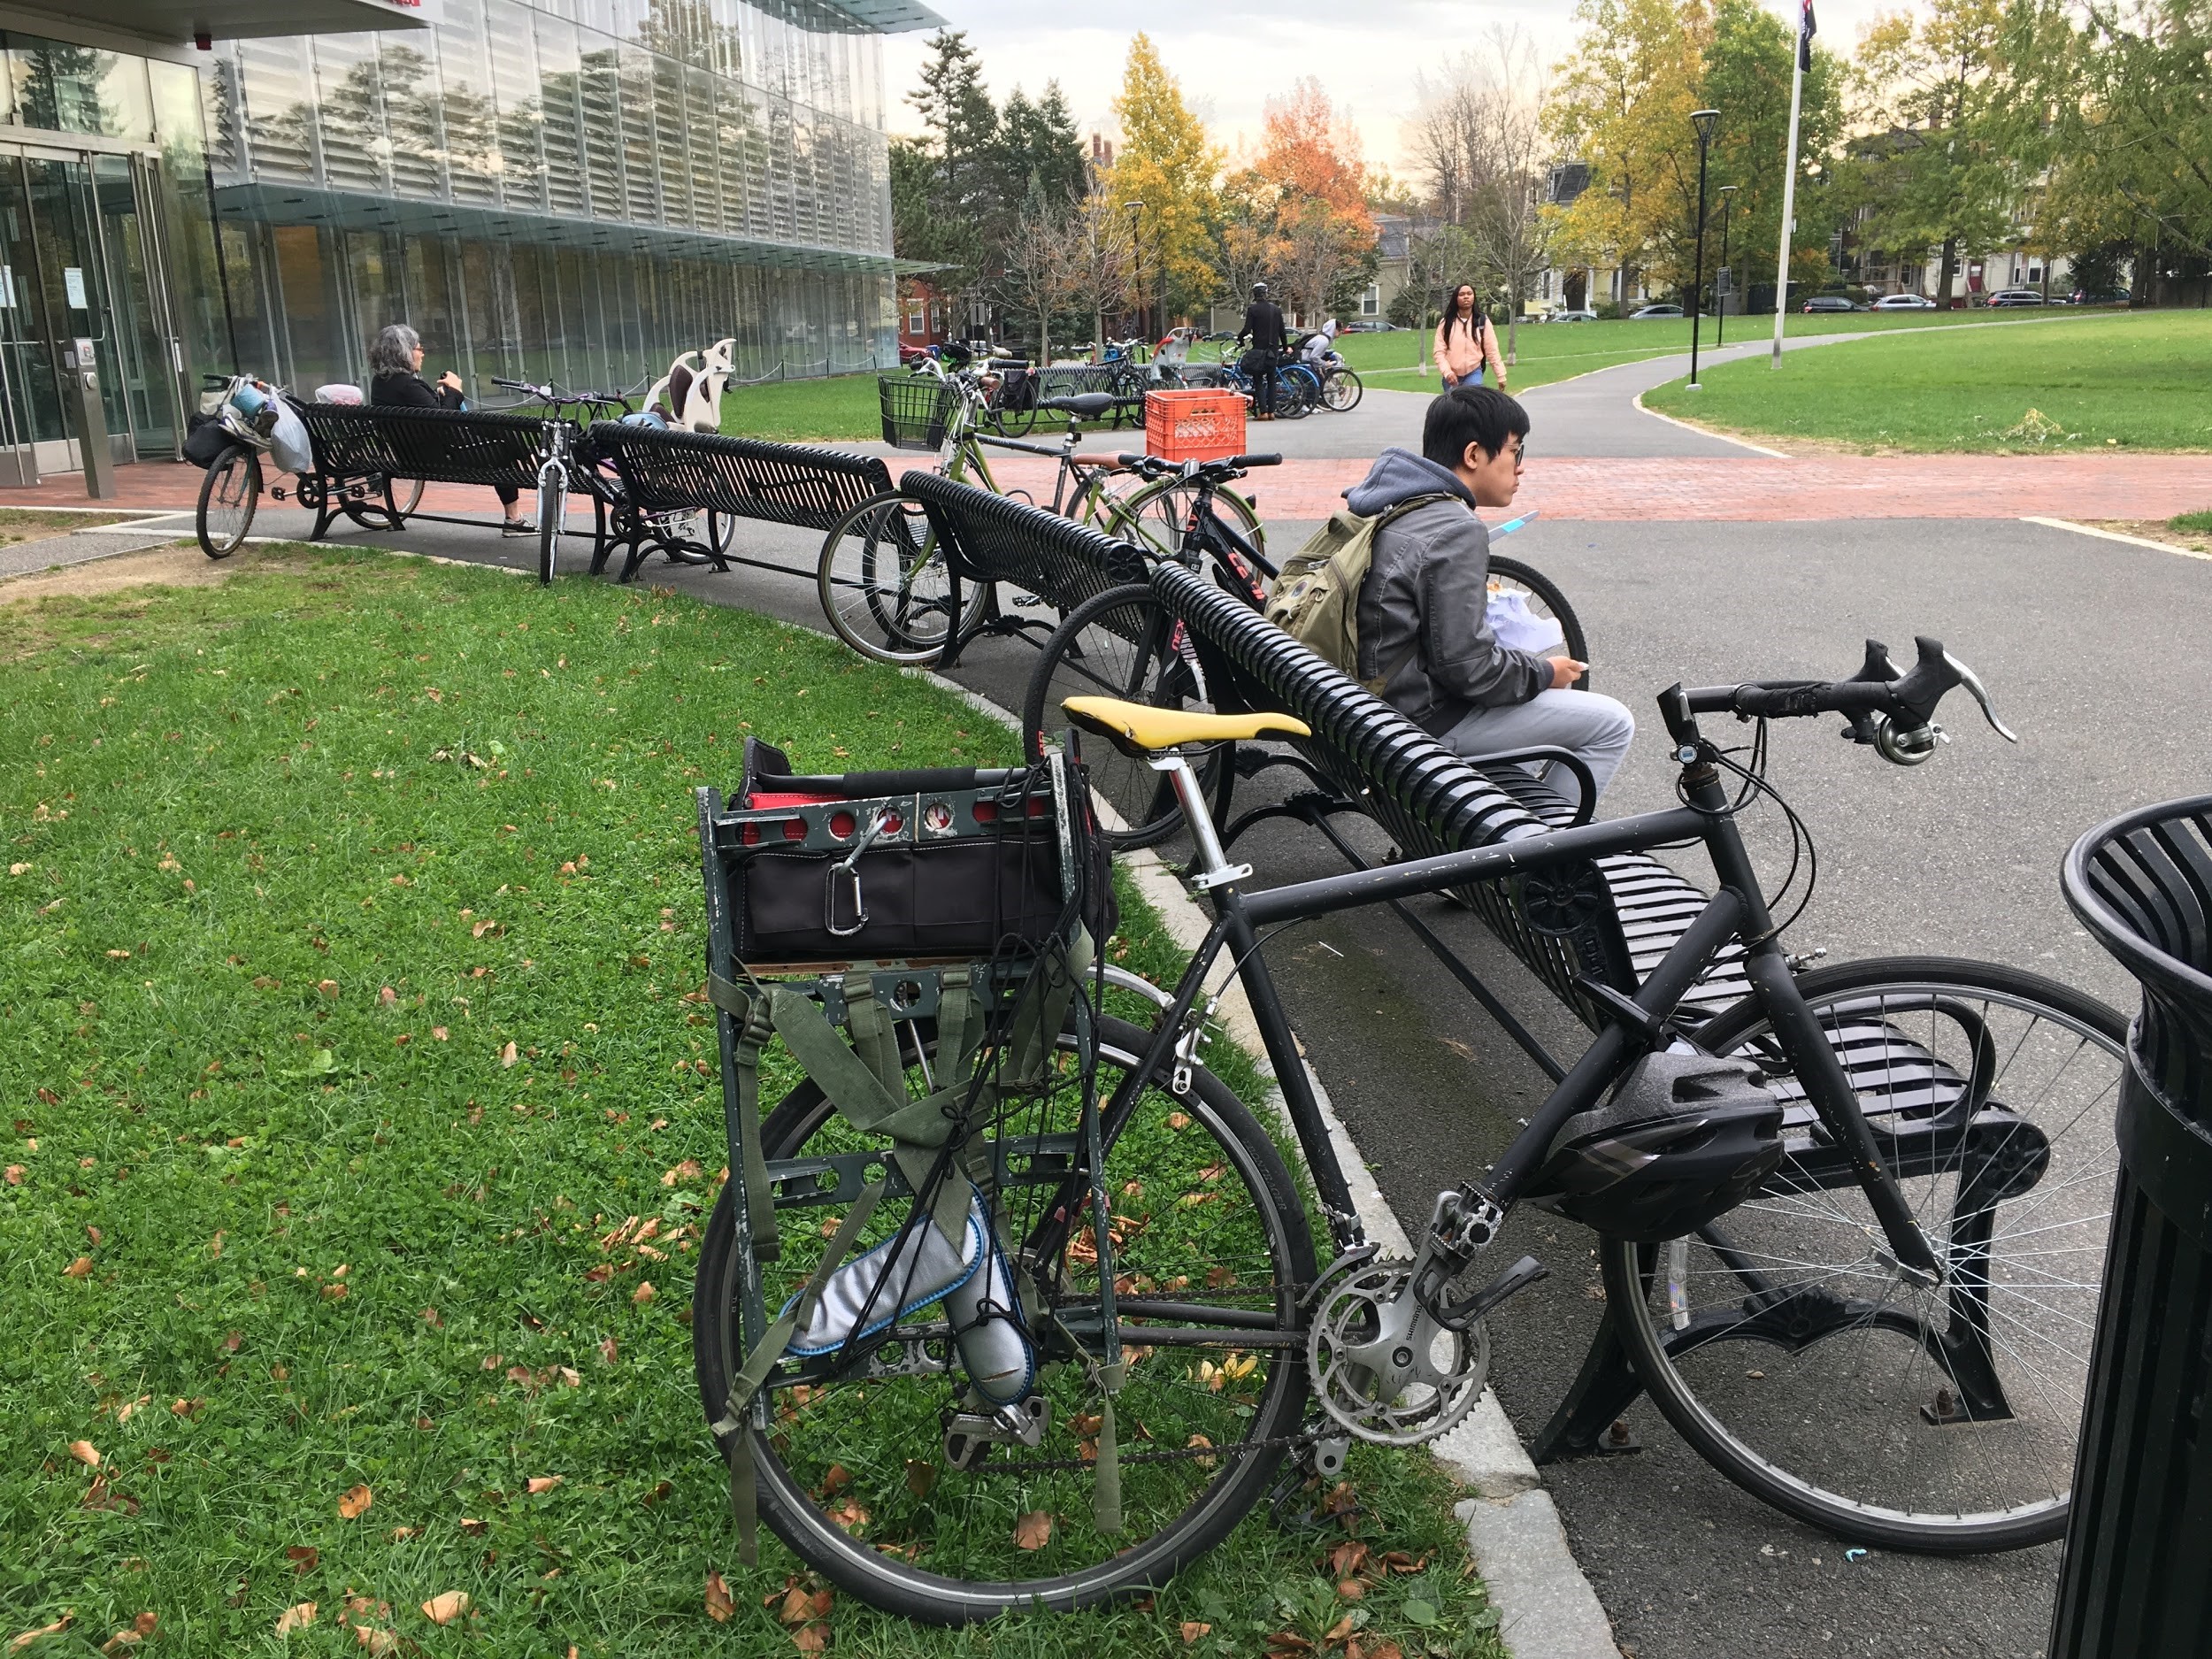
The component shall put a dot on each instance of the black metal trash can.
(2137, 1580)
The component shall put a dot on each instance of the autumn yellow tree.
(1165, 161)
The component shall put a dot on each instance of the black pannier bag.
(897, 865)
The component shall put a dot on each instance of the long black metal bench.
(667, 476)
(1039, 556)
(363, 450)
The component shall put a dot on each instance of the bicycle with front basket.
(1849, 1229)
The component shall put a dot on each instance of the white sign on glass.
(72, 279)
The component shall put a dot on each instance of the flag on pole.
(1805, 28)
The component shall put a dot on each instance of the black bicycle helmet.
(1684, 1139)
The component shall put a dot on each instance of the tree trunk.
(1950, 272)
(1512, 336)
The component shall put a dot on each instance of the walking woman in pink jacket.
(1465, 342)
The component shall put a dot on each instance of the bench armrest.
(1586, 784)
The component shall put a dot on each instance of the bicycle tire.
(552, 508)
(387, 514)
(1157, 512)
(1239, 1161)
(1544, 597)
(1342, 390)
(230, 494)
(1858, 1450)
(1013, 422)
(883, 585)
(1295, 391)
(1120, 644)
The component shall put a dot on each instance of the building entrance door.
(79, 259)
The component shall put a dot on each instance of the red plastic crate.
(1194, 426)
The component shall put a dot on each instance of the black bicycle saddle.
(1088, 404)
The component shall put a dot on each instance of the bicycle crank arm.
(1516, 1279)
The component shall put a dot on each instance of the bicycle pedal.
(1027, 601)
(1514, 1280)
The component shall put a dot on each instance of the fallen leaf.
(539, 1483)
(643, 1294)
(688, 1171)
(186, 1407)
(1386, 1650)
(1193, 1630)
(401, 1534)
(328, 988)
(85, 1453)
(296, 1617)
(570, 1378)
(1351, 1589)
(377, 1641)
(1033, 1531)
(720, 1607)
(813, 1639)
(30, 1636)
(1178, 1121)
(431, 1318)
(440, 1032)
(837, 1479)
(78, 1269)
(15, 1175)
(304, 1557)
(661, 1489)
(355, 1503)
(509, 1055)
(474, 1528)
(444, 1609)
(144, 1623)
(607, 1350)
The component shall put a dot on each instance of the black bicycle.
(1125, 643)
(1849, 1227)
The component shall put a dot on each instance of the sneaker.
(518, 526)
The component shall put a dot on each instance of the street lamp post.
(1136, 260)
(1720, 302)
(1704, 121)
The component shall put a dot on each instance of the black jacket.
(1264, 322)
(413, 391)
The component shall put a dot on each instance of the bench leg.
(600, 545)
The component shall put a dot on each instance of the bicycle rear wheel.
(884, 586)
(1342, 389)
(1545, 602)
(1790, 1351)
(1157, 513)
(854, 1475)
(1124, 643)
(230, 494)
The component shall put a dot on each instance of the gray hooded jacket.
(1424, 608)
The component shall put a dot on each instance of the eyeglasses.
(1520, 454)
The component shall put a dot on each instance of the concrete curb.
(1547, 1609)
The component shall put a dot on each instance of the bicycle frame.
(1737, 913)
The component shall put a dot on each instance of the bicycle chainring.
(1381, 1365)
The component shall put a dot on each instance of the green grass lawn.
(350, 906)
(2097, 381)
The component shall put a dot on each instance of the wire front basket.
(917, 409)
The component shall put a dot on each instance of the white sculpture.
(689, 395)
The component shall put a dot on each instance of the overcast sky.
(1231, 54)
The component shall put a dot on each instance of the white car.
(1571, 317)
(2004, 297)
(1904, 302)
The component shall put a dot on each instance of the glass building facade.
(566, 189)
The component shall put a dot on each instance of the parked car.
(2004, 297)
(1369, 326)
(1904, 302)
(1571, 317)
(2098, 296)
(1654, 313)
(1828, 303)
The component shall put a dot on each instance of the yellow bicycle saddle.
(1137, 728)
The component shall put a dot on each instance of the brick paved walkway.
(1756, 488)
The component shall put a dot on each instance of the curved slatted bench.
(990, 538)
(360, 449)
(666, 474)
(1429, 800)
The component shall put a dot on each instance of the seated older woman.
(396, 359)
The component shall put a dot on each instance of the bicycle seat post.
(1211, 867)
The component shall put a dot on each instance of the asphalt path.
(2086, 644)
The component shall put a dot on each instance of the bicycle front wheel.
(1791, 1350)
(552, 508)
(1158, 513)
(230, 494)
(884, 586)
(1125, 643)
(854, 1474)
(1342, 389)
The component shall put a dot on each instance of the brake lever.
(1866, 727)
(1972, 681)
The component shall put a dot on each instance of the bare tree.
(1478, 143)
(1099, 239)
(1041, 273)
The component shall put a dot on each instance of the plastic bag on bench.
(1518, 627)
(288, 447)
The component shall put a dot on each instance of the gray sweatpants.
(1595, 728)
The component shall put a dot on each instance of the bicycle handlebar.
(1893, 712)
(1236, 465)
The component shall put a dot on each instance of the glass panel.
(280, 115)
(602, 125)
(669, 149)
(515, 86)
(706, 173)
(71, 276)
(33, 399)
(730, 154)
(641, 196)
(471, 135)
(559, 73)
(431, 309)
(412, 116)
(349, 97)
(70, 89)
(306, 277)
(147, 387)
(373, 266)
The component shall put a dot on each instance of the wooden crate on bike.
(916, 941)
(1194, 425)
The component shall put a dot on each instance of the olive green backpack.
(1315, 599)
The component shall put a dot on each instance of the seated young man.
(1424, 628)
